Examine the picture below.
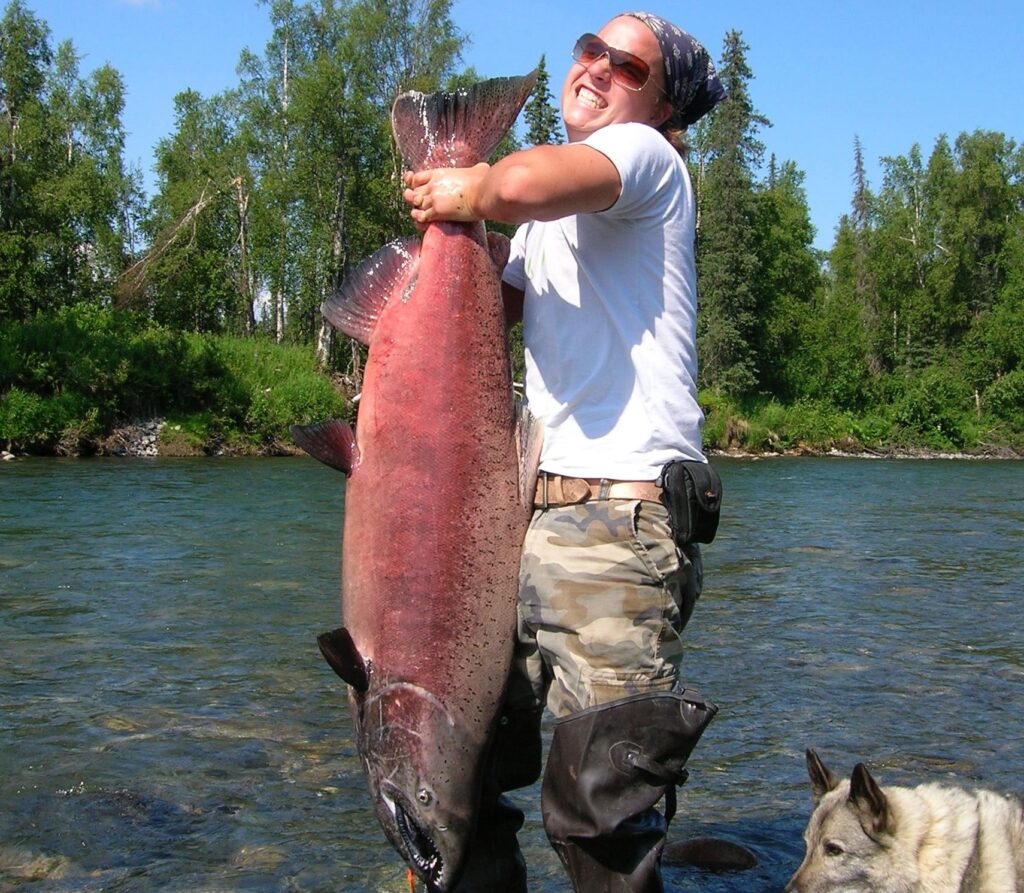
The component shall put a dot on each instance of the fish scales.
(431, 378)
(439, 491)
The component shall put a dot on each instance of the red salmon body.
(438, 498)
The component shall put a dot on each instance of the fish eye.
(832, 849)
(424, 796)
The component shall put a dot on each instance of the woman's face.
(591, 99)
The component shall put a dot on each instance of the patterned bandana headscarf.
(691, 82)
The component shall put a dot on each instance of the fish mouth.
(423, 855)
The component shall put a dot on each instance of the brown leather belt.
(555, 490)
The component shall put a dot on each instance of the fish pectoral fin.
(386, 275)
(332, 442)
(344, 658)
(499, 247)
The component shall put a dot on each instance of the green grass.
(67, 381)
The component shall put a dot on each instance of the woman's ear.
(662, 112)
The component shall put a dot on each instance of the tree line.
(908, 331)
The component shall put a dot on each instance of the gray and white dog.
(864, 838)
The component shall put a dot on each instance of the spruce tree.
(542, 118)
(865, 293)
(727, 261)
(788, 278)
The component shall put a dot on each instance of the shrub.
(21, 418)
(282, 387)
(721, 420)
(934, 408)
(1004, 397)
(60, 422)
(67, 379)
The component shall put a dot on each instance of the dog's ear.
(870, 804)
(822, 781)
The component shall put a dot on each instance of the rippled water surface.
(167, 723)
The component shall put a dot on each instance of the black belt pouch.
(692, 493)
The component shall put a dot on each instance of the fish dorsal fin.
(332, 442)
(529, 440)
(341, 653)
(355, 307)
(460, 128)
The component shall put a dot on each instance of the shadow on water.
(166, 722)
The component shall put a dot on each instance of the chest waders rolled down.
(607, 768)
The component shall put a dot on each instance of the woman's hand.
(541, 183)
(444, 193)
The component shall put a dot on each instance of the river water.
(167, 723)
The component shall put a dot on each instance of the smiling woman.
(602, 273)
(603, 89)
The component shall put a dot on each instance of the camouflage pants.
(604, 596)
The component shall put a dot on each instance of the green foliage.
(67, 380)
(930, 270)
(67, 205)
(543, 123)
(1004, 398)
(727, 259)
(934, 408)
(275, 386)
(23, 417)
(788, 282)
(57, 423)
(910, 331)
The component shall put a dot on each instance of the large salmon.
(440, 483)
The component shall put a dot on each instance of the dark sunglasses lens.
(588, 48)
(628, 70)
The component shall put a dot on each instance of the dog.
(863, 838)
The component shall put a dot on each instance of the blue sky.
(893, 73)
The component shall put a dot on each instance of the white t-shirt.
(610, 319)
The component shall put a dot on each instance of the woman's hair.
(678, 138)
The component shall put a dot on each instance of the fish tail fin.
(460, 128)
(332, 442)
(529, 439)
(355, 307)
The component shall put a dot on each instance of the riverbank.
(158, 437)
(985, 452)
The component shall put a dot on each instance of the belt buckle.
(575, 491)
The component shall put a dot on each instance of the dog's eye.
(832, 849)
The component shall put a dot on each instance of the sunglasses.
(627, 70)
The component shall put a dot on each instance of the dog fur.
(863, 838)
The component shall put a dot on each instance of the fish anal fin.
(529, 440)
(344, 658)
(332, 442)
(460, 128)
(357, 305)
